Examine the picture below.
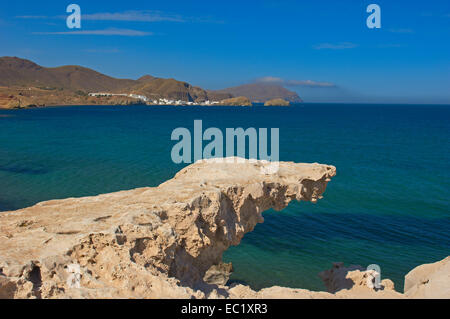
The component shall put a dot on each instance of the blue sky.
(321, 49)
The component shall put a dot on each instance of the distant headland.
(25, 84)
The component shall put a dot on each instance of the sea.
(388, 205)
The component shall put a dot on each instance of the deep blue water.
(389, 203)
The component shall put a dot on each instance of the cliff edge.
(160, 242)
(149, 242)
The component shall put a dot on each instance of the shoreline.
(163, 240)
(254, 105)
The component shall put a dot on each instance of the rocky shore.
(168, 241)
(277, 102)
(236, 101)
(17, 98)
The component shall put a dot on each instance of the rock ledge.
(160, 242)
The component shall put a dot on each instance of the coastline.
(159, 242)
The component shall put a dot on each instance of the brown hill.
(260, 93)
(146, 78)
(15, 72)
(70, 82)
(155, 88)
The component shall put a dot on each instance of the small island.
(277, 102)
(237, 101)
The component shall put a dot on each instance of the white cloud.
(33, 17)
(107, 32)
(134, 15)
(310, 83)
(270, 79)
(335, 46)
(130, 16)
(292, 83)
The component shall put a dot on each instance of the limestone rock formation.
(149, 242)
(429, 280)
(218, 274)
(356, 282)
(168, 241)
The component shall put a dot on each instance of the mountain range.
(74, 82)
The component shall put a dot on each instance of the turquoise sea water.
(389, 203)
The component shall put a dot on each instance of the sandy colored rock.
(236, 101)
(160, 242)
(429, 281)
(218, 274)
(356, 282)
(244, 292)
(277, 102)
(149, 242)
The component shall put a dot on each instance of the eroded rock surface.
(219, 274)
(356, 282)
(160, 242)
(429, 280)
(149, 242)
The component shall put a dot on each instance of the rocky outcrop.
(218, 274)
(277, 102)
(16, 98)
(236, 101)
(426, 281)
(168, 241)
(150, 242)
(356, 282)
(341, 282)
(429, 280)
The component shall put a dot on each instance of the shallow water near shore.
(388, 205)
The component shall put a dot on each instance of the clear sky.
(321, 49)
